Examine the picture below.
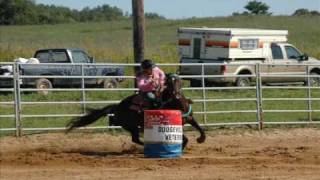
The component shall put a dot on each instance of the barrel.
(162, 133)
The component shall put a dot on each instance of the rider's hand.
(158, 93)
(155, 81)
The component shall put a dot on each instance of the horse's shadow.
(123, 153)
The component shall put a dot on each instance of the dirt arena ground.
(227, 154)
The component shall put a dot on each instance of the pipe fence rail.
(207, 112)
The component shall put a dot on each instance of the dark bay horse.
(133, 121)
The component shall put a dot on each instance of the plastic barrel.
(162, 133)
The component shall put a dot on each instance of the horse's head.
(173, 95)
(173, 84)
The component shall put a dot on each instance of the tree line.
(255, 7)
(25, 12)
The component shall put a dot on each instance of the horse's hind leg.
(184, 142)
(195, 124)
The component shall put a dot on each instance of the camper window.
(249, 44)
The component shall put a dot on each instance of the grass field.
(112, 42)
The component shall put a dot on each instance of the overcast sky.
(189, 8)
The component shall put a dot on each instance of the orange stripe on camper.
(261, 44)
(184, 42)
(232, 44)
(217, 43)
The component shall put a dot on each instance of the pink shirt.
(146, 85)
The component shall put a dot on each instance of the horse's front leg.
(191, 120)
(184, 142)
(134, 131)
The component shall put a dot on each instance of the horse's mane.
(174, 93)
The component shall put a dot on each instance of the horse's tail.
(91, 117)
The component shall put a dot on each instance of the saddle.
(139, 104)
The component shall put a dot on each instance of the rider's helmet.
(147, 64)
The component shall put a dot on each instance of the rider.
(150, 82)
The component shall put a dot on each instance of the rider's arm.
(162, 77)
(145, 84)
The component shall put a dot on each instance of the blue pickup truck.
(65, 62)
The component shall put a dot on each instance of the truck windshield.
(80, 57)
(292, 53)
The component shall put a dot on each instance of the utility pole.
(138, 31)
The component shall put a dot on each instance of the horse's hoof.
(201, 139)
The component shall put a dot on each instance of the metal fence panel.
(205, 100)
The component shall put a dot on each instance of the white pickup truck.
(237, 51)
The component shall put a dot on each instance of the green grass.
(112, 42)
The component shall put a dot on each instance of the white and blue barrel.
(163, 133)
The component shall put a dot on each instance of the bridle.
(174, 84)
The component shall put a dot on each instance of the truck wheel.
(110, 84)
(43, 84)
(195, 83)
(243, 82)
(315, 81)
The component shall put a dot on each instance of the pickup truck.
(238, 51)
(72, 58)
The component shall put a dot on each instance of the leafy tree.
(240, 14)
(305, 12)
(301, 12)
(315, 13)
(16, 11)
(100, 13)
(257, 8)
(20, 12)
(236, 14)
(153, 16)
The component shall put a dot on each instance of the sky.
(177, 9)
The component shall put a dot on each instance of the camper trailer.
(232, 46)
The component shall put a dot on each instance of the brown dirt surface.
(227, 154)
